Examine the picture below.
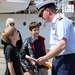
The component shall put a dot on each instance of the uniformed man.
(62, 40)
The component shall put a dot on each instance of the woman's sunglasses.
(12, 24)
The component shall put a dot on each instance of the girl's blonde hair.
(9, 31)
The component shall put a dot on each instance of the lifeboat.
(13, 5)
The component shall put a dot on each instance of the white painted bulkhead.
(20, 18)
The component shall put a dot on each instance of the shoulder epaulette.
(60, 18)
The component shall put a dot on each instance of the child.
(11, 36)
(34, 46)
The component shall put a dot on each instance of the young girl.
(11, 36)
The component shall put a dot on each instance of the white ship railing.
(66, 7)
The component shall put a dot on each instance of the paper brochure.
(47, 64)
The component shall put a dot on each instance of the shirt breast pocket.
(52, 31)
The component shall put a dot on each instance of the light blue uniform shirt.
(62, 28)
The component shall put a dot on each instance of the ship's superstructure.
(67, 7)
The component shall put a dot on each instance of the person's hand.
(30, 72)
(41, 60)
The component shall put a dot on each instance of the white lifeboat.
(13, 5)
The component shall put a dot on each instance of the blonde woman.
(11, 36)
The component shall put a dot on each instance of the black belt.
(63, 56)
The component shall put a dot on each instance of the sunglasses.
(12, 24)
